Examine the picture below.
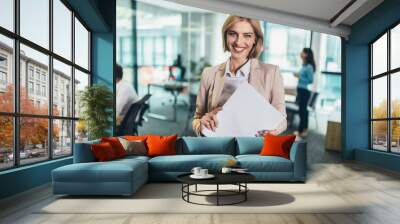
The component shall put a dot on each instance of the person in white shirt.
(126, 95)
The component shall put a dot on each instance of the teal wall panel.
(24, 178)
(356, 86)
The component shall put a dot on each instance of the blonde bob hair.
(259, 45)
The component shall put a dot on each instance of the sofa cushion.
(133, 158)
(111, 171)
(249, 145)
(185, 163)
(135, 137)
(209, 145)
(116, 145)
(103, 152)
(134, 147)
(277, 145)
(257, 163)
(161, 145)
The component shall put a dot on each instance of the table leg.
(188, 190)
(217, 194)
(245, 193)
(196, 187)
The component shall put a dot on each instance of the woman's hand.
(264, 132)
(209, 120)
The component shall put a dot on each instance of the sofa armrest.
(83, 152)
(298, 155)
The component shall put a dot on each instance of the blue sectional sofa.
(125, 176)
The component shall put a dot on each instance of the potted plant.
(96, 104)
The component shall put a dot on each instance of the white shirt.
(232, 82)
(242, 73)
(126, 96)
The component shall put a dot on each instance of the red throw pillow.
(103, 152)
(275, 145)
(161, 145)
(116, 145)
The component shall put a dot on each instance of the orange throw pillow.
(277, 145)
(135, 137)
(161, 145)
(103, 152)
(116, 145)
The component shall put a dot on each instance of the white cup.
(196, 171)
(226, 170)
(203, 172)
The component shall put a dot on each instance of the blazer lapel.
(218, 85)
(256, 77)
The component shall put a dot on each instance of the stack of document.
(244, 114)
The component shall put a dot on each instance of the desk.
(174, 87)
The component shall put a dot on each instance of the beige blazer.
(265, 78)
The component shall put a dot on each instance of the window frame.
(388, 74)
(16, 115)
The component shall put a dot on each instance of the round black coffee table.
(238, 179)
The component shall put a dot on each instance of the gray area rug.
(166, 198)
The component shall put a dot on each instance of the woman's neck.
(236, 64)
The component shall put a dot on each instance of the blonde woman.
(243, 38)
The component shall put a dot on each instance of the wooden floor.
(378, 189)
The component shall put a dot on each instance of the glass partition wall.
(151, 35)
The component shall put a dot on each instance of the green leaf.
(96, 102)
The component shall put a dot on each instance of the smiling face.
(240, 39)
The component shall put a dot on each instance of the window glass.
(379, 56)
(283, 45)
(395, 95)
(6, 142)
(62, 29)
(81, 131)
(62, 89)
(330, 53)
(6, 74)
(7, 14)
(62, 138)
(395, 136)
(379, 98)
(34, 144)
(395, 47)
(34, 21)
(81, 45)
(379, 135)
(39, 62)
(81, 82)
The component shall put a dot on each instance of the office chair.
(133, 117)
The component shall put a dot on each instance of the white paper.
(244, 114)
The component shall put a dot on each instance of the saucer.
(208, 176)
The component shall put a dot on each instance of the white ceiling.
(320, 9)
(313, 15)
